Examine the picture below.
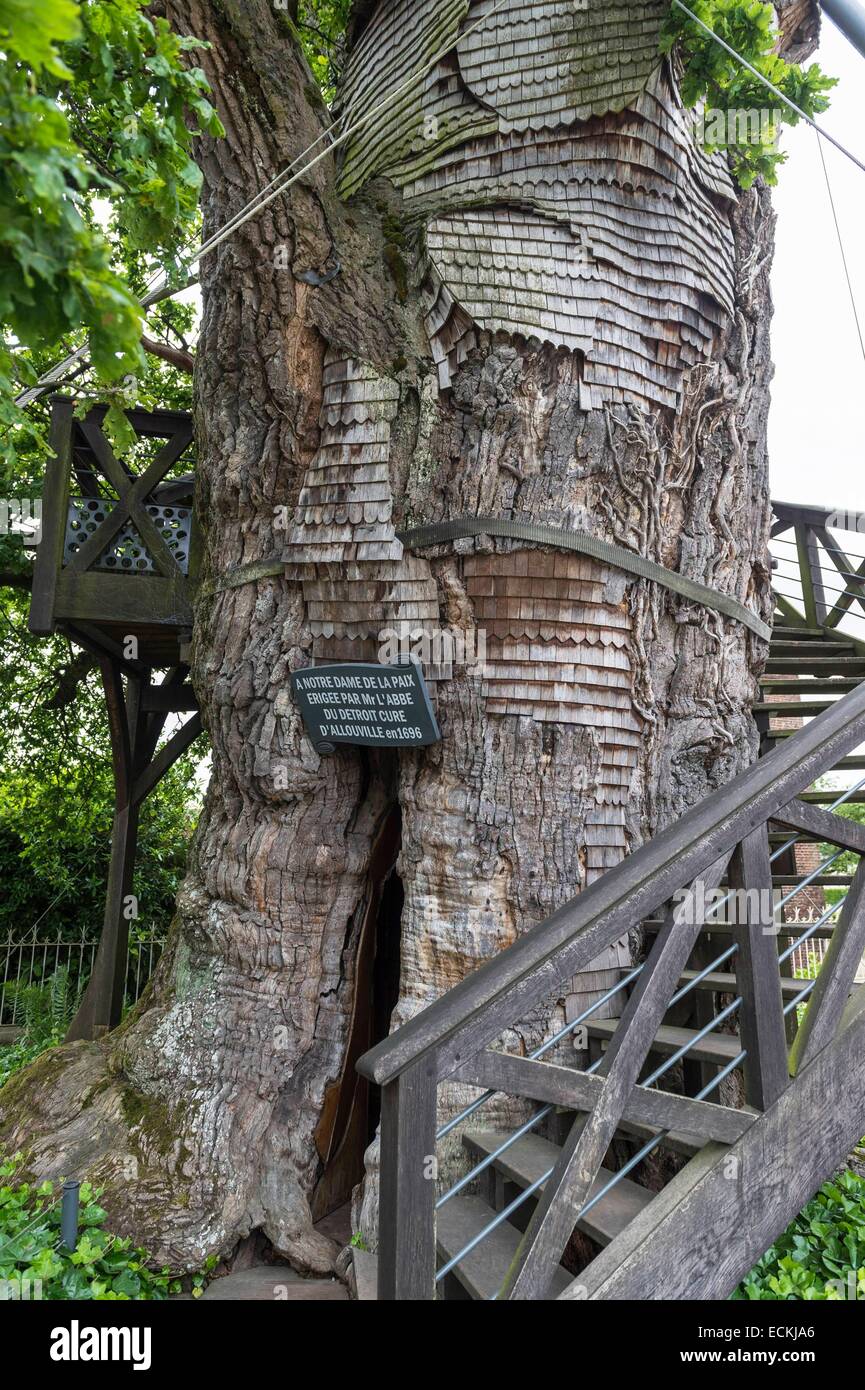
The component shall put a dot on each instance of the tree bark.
(607, 705)
(206, 1113)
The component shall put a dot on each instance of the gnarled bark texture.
(550, 305)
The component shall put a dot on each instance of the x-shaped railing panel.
(132, 493)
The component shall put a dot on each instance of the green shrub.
(822, 1248)
(44, 1013)
(57, 792)
(55, 842)
(19, 1055)
(33, 1264)
(711, 75)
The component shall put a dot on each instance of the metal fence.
(32, 960)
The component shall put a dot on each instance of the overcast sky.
(817, 422)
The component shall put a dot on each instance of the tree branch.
(10, 580)
(183, 361)
(68, 679)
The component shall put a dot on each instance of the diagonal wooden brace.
(835, 980)
(583, 1152)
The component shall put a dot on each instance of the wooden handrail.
(824, 604)
(477, 1010)
(807, 515)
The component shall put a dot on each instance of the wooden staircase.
(764, 1103)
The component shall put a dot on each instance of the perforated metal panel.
(127, 553)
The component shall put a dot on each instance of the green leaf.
(822, 1246)
(29, 29)
(712, 78)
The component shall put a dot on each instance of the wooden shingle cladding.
(345, 508)
(399, 134)
(564, 193)
(357, 582)
(558, 652)
(543, 65)
(556, 626)
(549, 64)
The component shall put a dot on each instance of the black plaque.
(368, 705)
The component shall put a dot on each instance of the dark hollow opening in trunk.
(357, 1104)
(385, 983)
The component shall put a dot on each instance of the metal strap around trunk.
(440, 532)
(269, 568)
(462, 528)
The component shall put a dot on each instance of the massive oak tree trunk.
(548, 305)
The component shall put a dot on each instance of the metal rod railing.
(655, 1076)
(677, 1055)
(541, 1051)
(529, 1191)
(797, 598)
(628, 979)
(648, 1147)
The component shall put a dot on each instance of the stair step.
(723, 983)
(266, 1283)
(532, 1156)
(482, 1272)
(783, 836)
(854, 761)
(782, 629)
(688, 1145)
(716, 1047)
(365, 1265)
(790, 667)
(791, 709)
(654, 924)
(821, 881)
(837, 665)
(782, 685)
(785, 649)
(828, 796)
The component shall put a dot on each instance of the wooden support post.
(835, 980)
(102, 1006)
(810, 576)
(406, 1242)
(852, 574)
(134, 736)
(579, 1090)
(822, 825)
(787, 865)
(55, 503)
(761, 1014)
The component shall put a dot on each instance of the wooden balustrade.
(450, 1039)
(824, 604)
